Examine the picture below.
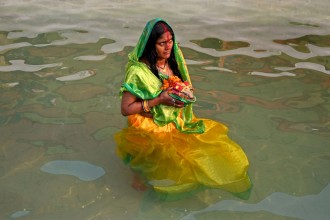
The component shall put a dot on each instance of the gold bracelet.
(145, 106)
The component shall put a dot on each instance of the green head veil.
(139, 48)
(142, 83)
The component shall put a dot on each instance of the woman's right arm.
(130, 104)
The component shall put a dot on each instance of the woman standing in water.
(165, 143)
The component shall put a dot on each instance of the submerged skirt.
(174, 162)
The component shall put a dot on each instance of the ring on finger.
(173, 100)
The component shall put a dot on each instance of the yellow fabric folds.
(175, 162)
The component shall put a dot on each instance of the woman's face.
(164, 45)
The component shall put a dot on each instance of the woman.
(164, 142)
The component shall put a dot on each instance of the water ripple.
(19, 65)
(303, 207)
(272, 74)
(13, 46)
(306, 65)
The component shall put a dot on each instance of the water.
(261, 67)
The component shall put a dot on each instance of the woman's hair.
(150, 53)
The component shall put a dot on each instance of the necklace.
(165, 69)
(163, 66)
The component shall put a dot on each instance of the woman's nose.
(168, 45)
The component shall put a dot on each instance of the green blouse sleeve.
(141, 82)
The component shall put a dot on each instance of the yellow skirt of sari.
(174, 162)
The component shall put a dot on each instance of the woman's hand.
(166, 99)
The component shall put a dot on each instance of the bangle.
(145, 106)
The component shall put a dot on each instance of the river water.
(261, 67)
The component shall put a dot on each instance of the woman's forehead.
(166, 36)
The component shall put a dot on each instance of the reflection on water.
(263, 69)
(301, 44)
(80, 169)
(304, 207)
(218, 44)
